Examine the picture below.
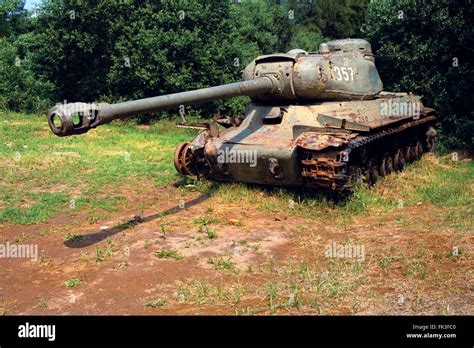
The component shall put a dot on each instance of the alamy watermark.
(21, 251)
(237, 156)
(395, 108)
(351, 251)
(80, 108)
(37, 331)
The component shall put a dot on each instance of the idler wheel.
(183, 159)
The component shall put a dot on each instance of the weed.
(294, 299)
(196, 291)
(357, 268)
(417, 304)
(73, 282)
(270, 264)
(163, 230)
(221, 264)
(302, 228)
(20, 238)
(155, 303)
(102, 254)
(418, 267)
(205, 220)
(169, 254)
(42, 303)
(247, 311)
(74, 237)
(234, 295)
(272, 293)
(95, 218)
(211, 234)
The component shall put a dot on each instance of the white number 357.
(344, 73)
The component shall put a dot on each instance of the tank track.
(366, 157)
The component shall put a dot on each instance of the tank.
(318, 120)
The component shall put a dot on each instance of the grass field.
(44, 175)
(239, 250)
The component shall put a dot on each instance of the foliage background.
(428, 48)
(116, 50)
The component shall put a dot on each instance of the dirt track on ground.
(120, 272)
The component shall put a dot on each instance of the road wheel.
(383, 167)
(409, 154)
(418, 150)
(388, 164)
(356, 176)
(372, 173)
(399, 160)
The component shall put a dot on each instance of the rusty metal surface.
(332, 170)
(318, 141)
(316, 119)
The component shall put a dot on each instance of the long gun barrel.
(294, 76)
(78, 118)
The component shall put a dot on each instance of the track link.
(367, 157)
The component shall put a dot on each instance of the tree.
(428, 50)
(322, 20)
(71, 47)
(14, 18)
(131, 49)
(20, 90)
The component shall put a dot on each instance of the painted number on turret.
(343, 73)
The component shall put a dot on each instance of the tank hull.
(327, 145)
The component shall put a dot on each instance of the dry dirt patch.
(236, 260)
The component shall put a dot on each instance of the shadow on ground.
(99, 236)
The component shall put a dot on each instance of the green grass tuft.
(73, 282)
(169, 254)
(155, 303)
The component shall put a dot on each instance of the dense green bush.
(427, 48)
(118, 50)
(20, 89)
(14, 19)
(334, 19)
